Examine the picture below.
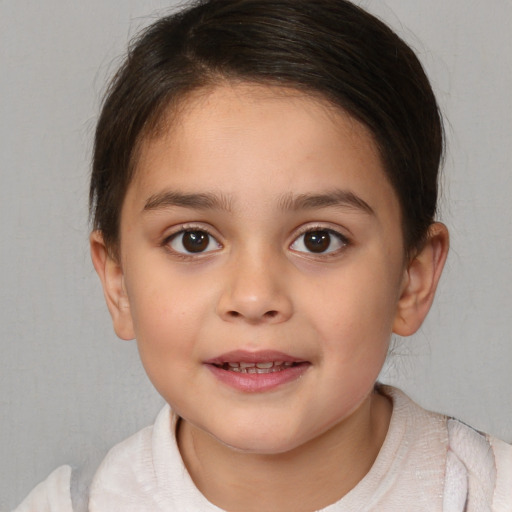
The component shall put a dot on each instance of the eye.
(193, 241)
(319, 241)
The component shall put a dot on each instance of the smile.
(257, 372)
(260, 368)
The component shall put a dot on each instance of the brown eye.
(193, 242)
(319, 241)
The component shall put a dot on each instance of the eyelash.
(182, 231)
(343, 240)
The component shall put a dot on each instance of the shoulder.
(477, 467)
(140, 454)
(52, 495)
(146, 473)
(126, 461)
(503, 459)
(483, 464)
(127, 466)
(143, 473)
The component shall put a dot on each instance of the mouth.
(260, 367)
(257, 371)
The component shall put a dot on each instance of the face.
(261, 265)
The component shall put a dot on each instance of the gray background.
(68, 388)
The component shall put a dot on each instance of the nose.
(255, 291)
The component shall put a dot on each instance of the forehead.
(237, 138)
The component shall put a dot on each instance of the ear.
(420, 281)
(111, 275)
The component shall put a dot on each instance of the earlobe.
(111, 276)
(420, 281)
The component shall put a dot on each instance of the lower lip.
(258, 382)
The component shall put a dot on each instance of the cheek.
(167, 312)
(161, 296)
(354, 312)
(165, 332)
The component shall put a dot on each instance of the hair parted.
(329, 48)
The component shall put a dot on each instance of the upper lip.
(260, 356)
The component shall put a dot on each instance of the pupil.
(195, 241)
(317, 241)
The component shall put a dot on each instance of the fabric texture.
(428, 462)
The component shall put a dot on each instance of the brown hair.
(330, 48)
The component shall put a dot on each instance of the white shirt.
(428, 462)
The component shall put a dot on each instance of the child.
(264, 193)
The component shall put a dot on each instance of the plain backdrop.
(69, 389)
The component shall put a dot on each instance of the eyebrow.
(211, 201)
(202, 201)
(336, 198)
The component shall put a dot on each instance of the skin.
(259, 151)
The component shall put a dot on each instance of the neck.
(309, 477)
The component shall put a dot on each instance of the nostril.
(269, 314)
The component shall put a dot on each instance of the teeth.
(264, 367)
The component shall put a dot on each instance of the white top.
(428, 462)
